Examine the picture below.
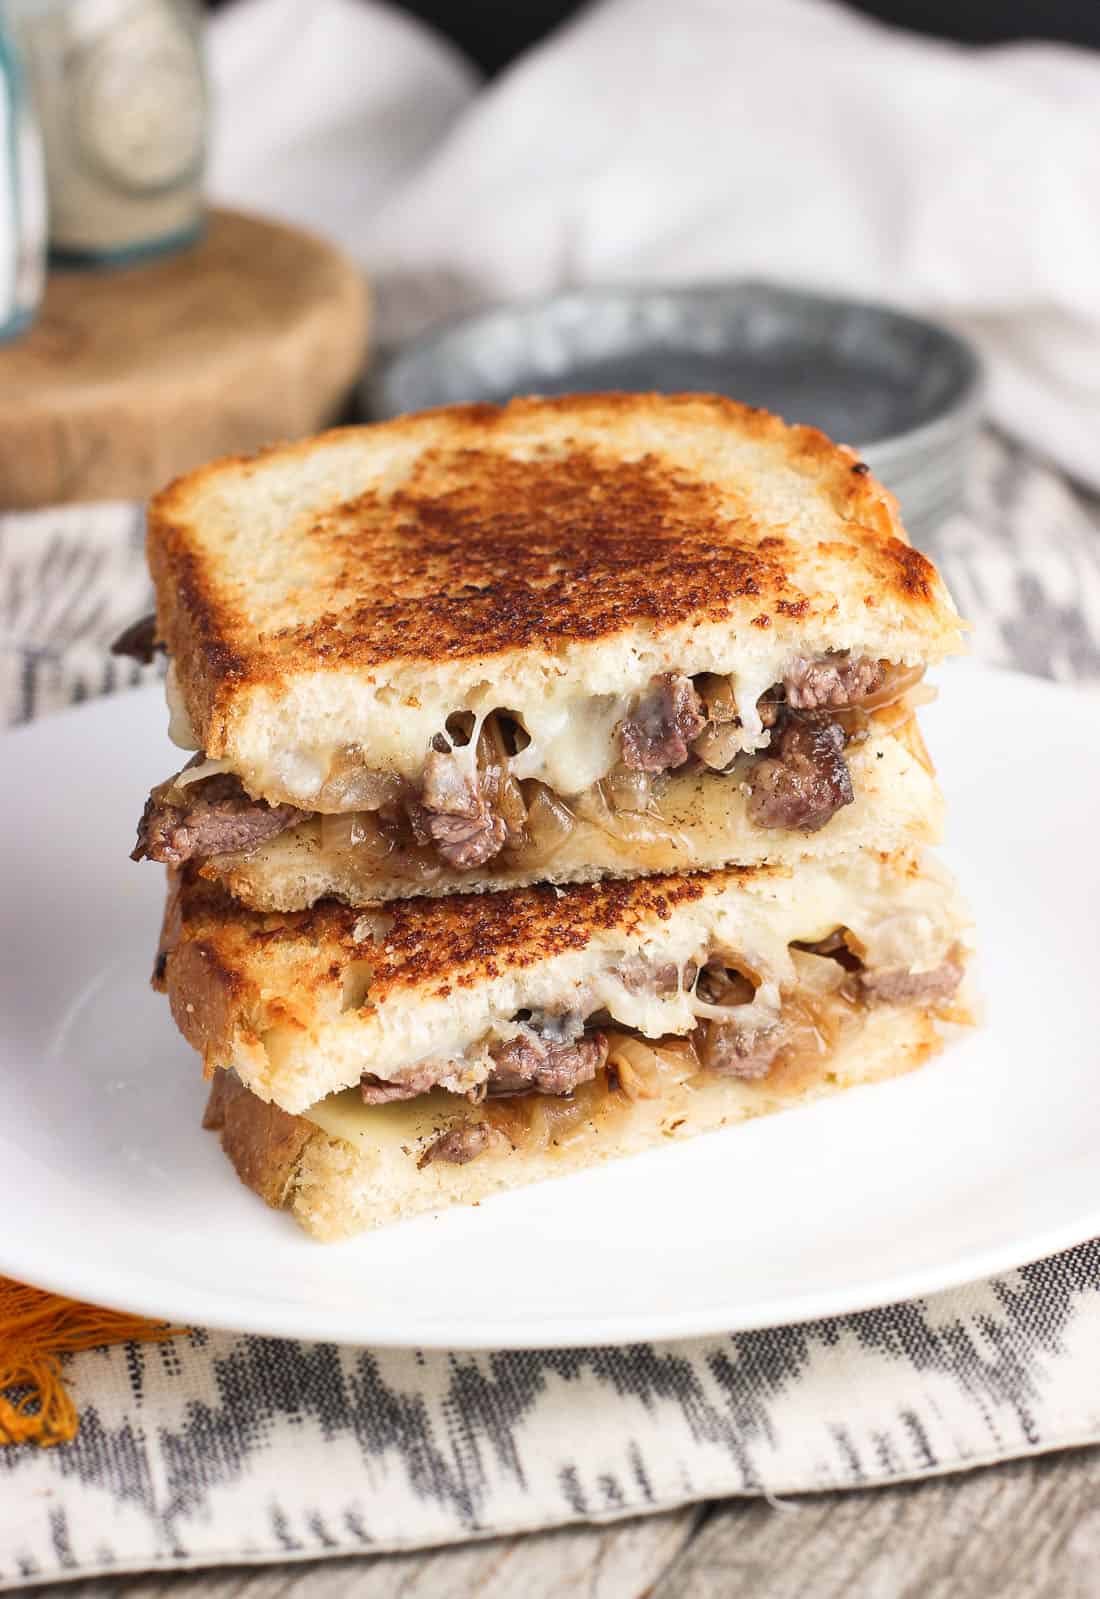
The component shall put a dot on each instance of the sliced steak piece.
(804, 779)
(419, 1079)
(833, 682)
(657, 736)
(527, 1064)
(835, 947)
(464, 842)
(894, 985)
(458, 1144)
(139, 640)
(641, 976)
(550, 1054)
(211, 817)
(740, 1049)
(454, 816)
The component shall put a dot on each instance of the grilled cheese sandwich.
(487, 1030)
(455, 624)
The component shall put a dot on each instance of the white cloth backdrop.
(787, 139)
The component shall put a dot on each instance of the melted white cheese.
(574, 737)
(180, 730)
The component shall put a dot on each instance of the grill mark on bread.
(569, 544)
(433, 945)
(523, 553)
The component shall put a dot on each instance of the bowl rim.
(959, 413)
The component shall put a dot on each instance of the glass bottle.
(121, 99)
(22, 198)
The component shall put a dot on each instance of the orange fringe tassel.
(36, 1329)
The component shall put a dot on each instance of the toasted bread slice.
(440, 992)
(344, 1167)
(700, 822)
(346, 596)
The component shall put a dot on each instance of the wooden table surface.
(1028, 1528)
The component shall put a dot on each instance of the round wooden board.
(254, 334)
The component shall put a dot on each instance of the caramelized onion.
(460, 727)
(533, 1121)
(358, 830)
(594, 806)
(717, 747)
(558, 1121)
(899, 680)
(499, 788)
(352, 786)
(888, 718)
(634, 1066)
(645, 1069)
(732, 965)
(549, 823)
(342, 830)
(716, 693)
(630, 790)
(820, 1009)
(199, 770)
(510, 1117)
(724, 986)
(643, 831)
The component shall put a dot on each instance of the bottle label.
(137, 99)
(120, 95)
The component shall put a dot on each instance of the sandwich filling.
(477, 998)
(476, 797)
(545, 1075)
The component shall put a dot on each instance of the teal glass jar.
(22, 198)
(120, 93)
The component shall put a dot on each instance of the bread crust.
(482, 533)
(264, 1144)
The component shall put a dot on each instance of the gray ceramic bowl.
(906, 393)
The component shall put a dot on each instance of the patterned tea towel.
(212, 1448)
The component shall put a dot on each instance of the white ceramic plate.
(981, 1161)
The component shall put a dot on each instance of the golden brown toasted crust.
(171, 927)
(430, 946)
(498, 530)
(206, 996)
(264, 1143)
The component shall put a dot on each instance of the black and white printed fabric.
(217, 1448)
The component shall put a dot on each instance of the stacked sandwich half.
(556, 790)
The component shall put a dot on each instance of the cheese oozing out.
(572, 726)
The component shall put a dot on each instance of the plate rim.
(571, 1331)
